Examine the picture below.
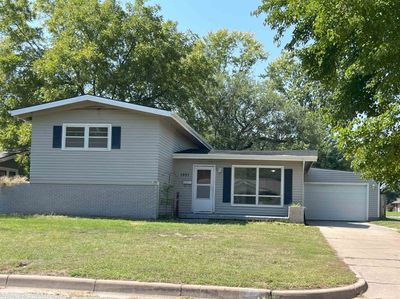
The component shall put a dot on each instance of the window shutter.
(116, 138)
(227, 184)
(57, 136)
(288, 188)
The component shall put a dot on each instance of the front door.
(203, 189)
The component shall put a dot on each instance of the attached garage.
(340, 196)
(336, 201)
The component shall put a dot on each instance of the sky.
(203, 16)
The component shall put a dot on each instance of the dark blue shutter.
(288, 188)
(116, 138)
(227, 184)
(57, 136)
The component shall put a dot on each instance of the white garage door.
(336, 201)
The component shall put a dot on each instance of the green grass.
(255, 254)
(392, 223)
(392, 213)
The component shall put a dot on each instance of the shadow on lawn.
(339, 224)
(162, 219)
(202, 221)
(391, 219)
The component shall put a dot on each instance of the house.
(8, 165)
(99, 157)
(396, 205)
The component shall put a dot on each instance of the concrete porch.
(215, 216)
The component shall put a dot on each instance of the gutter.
(245, 157)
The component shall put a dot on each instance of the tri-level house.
(93, 156)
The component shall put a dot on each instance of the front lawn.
(392, 213)
(389, 222)
(258, 254)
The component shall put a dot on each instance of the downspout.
(156, 185)
(302, 199)
(379, 201)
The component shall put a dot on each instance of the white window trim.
(86, 137)
(257, 186)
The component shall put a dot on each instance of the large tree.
(234, 110)
(53, 49)
(353, 49)
(287, 78)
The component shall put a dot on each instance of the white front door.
(203, 189)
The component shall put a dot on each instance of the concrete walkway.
(372, 251)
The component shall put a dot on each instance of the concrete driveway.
(372, 251)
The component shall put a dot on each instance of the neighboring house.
(100, 157)
(396, 205)
(8, 165)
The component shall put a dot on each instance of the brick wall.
(125, 201)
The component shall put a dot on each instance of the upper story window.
(257, 185)
(86, 136)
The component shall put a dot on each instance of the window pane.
(245, 200)
(99, 132)
(270, 181)
(203, 192)
(276, 201)
(75, 131)
(3, 172)
(245, 181)
(98, 142)
(204, 176)
(74, 142)
(12, 173)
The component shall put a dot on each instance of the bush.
(12, 181)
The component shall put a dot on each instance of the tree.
(352, 49)
(99, 48)
(53, 49)
(287, 78)
(236, 111)
(19, 49)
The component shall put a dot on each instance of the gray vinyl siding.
(184, 172)
(136, 162)
(147, 145)
(171, 141)
(337, 176)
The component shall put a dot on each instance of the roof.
(26, 113)
(236, 152)
(397, 201)
(8, 155)
(285, 155)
